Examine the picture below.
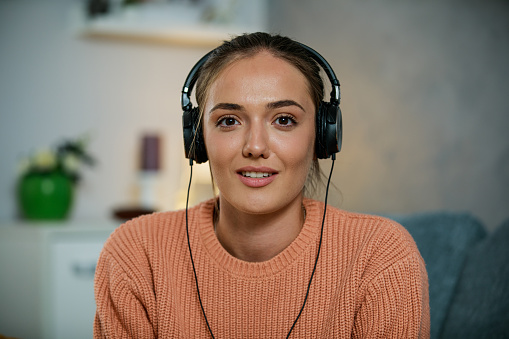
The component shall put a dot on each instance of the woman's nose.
(256, 144)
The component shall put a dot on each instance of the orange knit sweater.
(370, 281)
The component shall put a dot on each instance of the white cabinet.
(47, 278)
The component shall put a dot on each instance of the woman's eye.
(285, 121)
(227, 122)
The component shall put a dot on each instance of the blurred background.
(424, 99)
(424, 96)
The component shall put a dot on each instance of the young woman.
(260, 260)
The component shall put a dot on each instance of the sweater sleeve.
(124, 295)
(396, 302)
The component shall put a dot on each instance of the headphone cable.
(319, 248)
(333, 157)
(191, 253)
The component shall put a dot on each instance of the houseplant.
(48, 179)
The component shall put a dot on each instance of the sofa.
(468, 271)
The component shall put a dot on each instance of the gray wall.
(423, 87)
(424, 99)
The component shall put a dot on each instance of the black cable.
(319, 248)
(333, 157)
(191, 253)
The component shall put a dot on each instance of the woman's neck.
(258, 237)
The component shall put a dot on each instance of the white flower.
(45, 160)
(71, 163)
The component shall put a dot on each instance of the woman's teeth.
(256, 174)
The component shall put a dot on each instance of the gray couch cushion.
(444, 239)
(480, 307)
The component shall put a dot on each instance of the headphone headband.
(192, 77)
(335, 95)
(329, 127)
(190, 81)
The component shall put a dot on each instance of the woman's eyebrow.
(226, 106)
(271, 105)
(284, 103)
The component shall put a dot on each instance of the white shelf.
(176, 22)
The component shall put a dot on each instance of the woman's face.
(259, 129)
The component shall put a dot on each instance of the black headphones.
(329, 126)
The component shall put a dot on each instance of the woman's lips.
(256, 176)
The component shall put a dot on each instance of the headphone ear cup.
(194, 145)
(329, 130)
(320, 125)
(338, 128)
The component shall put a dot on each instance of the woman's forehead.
(260, 75)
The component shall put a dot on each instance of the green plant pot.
(45, 196)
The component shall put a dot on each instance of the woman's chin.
(259, 203)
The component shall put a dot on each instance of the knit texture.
(370, 281)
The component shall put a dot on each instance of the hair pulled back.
(248, 45)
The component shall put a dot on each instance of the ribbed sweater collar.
(305, 241)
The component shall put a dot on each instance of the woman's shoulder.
(148, 230)
(140, 247)
(382, 230)
(374, 225)
(368, 232)
(147, 224)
